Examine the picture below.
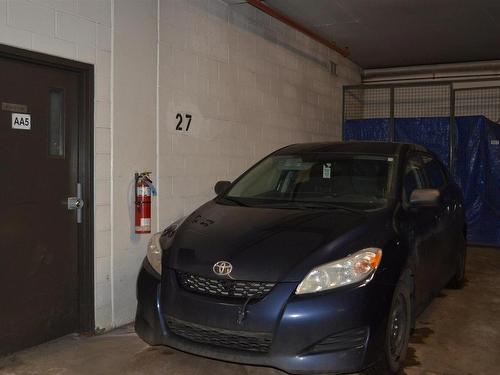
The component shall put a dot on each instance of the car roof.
(351, 147)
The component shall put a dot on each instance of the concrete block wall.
(250, 83)
(79, 30)
(134, 143)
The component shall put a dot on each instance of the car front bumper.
(340, 331)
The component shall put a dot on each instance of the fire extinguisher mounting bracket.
(145, 177)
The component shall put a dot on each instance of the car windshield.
(316, 180)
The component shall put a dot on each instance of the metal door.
(39, 273)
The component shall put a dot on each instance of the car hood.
(266, 244)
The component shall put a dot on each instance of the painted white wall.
(251, 84)
(134, 141)
(79, 30)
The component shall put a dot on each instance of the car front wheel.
(398, 329)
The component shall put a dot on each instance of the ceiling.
(394, 33)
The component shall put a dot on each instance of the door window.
(56, 123)
(413, 178)
(436, 177)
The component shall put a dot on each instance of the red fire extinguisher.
(144, 189)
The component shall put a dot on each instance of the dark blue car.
(315, 260)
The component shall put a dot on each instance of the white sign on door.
(21, 121)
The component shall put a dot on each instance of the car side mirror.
(221, 187)
(424, 198)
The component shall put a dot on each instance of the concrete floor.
(458, 334)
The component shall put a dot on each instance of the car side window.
(436, 176)
(413, 177)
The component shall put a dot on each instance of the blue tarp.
(437, 137)
(477, 171)
(476, 163)
(376, 129)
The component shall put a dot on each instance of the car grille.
(240, 340)
(223, 287)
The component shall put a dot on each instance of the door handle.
(74, 203)
(77, 203)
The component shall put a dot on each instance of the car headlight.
(355, 268)
(153, 252)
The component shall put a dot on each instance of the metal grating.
(223, 287)
(483, 101)
(239, 340)
(419, 100)
(395, 101)
(367, 102)
(422, 101)
(426, 100)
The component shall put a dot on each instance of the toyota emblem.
(222, 268)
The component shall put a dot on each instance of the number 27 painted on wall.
(180, 119)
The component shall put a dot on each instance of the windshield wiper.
(328, 205)
(234, 200)
(305, 205)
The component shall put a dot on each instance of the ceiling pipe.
(434, 71)
(297, 26)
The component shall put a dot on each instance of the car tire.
(398, 329)
(458, 279)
